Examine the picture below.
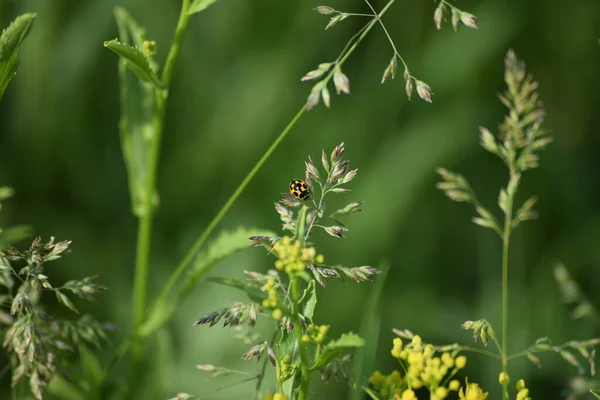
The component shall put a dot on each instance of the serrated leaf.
(369, 330)
(137, 103)
(136, 61)
(10, 41)
(225, 245)
(308, 302)
(200, 5)
(336, 347)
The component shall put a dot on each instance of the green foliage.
(10, 41)
(370, 328)
(137, 112)
(135, 60)
(200, 5)
(337, 347)
(36, 342)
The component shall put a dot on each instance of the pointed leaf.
(308, 302)
(369, 329)
(336, 347)
(135, 60)
(200, 5)
(10, 41)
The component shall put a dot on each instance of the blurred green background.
(236, 86)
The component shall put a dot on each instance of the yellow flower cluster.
(292, 257)
(316, 334)
(285, 368)
(271, 300)
(522, 391)
(472, 392)
(424, 367)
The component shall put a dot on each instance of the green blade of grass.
(371, 322)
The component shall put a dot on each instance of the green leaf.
(596, 394)
(370, 393)
(6, 192)
(135, 59)
(225, 245)
(289, 345)
(137, 115)
(91, 368)
(10, 41)
(14, 234)
(308, 302)
(364, 360)
(64, 300)
(336, 347)
(200, 5)
(251, 290)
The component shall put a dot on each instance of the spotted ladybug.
(299, 189)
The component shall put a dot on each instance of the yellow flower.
(408, 394)
(320, 259)
(397, 350)
(441, 392)
(377, 378)
(447, 360)
(520, 385)
(454, 385)
(473, 392)
(523, 393)
(416, 341)
(280, 396)
(460, 362)
(277, 314)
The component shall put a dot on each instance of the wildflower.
(277, 314)
(441, 393)
(397, 350)
(408, 394)
(460, 362)
(454, 385)
(520, 384)
(473, 392)
(293, 258)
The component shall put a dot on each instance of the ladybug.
(299, 189)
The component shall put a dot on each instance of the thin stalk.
(505, 244)
(304, 368)
(189, 256)
(388, 36)
(145, 223)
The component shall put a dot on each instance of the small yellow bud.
(279, 264)
(520, 385)
(267, 396)
(416, 341)
(523, 393)
(305, 338)
(286, 359)
(447, 360)
(441, 392)
(460, 362)
(395, 377)
(277, 314)
(397, 342)
(416, 383)
(454, 385)
(377, 378)
(503, 378)
(320, 259)
(408, 394)
(265, 303)
(280, 396)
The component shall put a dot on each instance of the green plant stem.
(189, 256)
(304, 367)
(145, 223)
(505, 244)
(388, 36)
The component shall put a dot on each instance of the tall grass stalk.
(144, 234)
